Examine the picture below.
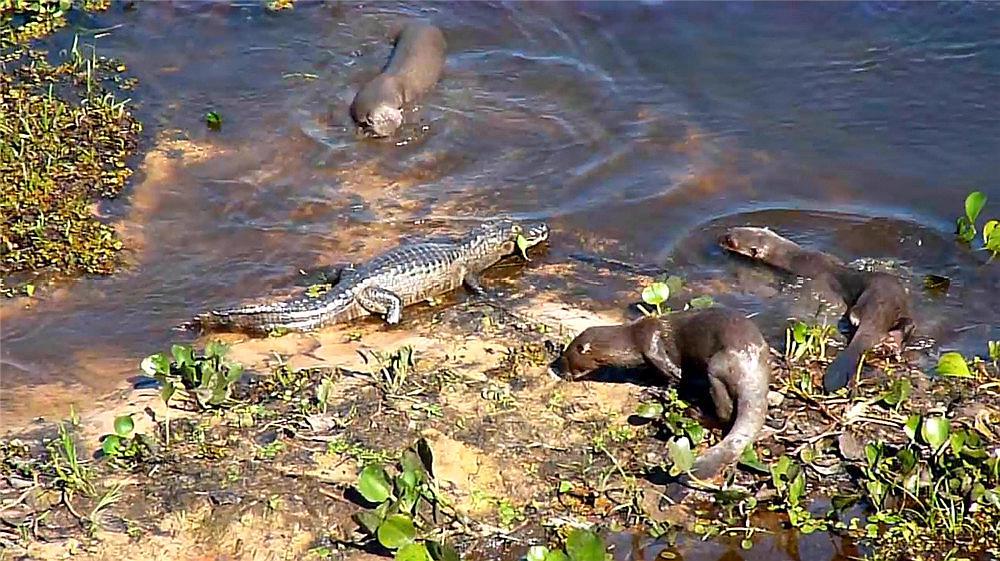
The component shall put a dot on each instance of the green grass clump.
(64, 141)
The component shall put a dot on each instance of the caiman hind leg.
(383, 302)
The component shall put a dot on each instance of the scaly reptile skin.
(383, 286)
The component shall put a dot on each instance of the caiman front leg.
(472, 284)
(382, 302)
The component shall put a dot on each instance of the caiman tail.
(842, 370)
(751, 410)
(297, 315)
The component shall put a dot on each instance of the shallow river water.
(638, 130)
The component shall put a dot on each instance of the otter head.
(595, 348)
(377, 107)
(756, 243)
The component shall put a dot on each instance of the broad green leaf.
(953, 364)
(369, 520)
(899, 392)
(124, 425)
(655, 294)
(216, 349)
(396, 531)
(213, 120)
(167, 392)
(565, 486)
(111, 445)
(872, 453)
(442, 551)
(935, 431)
(674, 284)
(965, 230)
(650, 410)
(957, 441)
(373, 484)
(536, 553)
(680, 454)
(974, 204)
(702, 302)
(584, 545)
(910, 428)
(522, 246)
(412, 465)
(907, 460)
(413, 552)
(989, 229)
(556, 555)
(799, 331)
(29, 290)
(155, 364)
(796, 488)
(183, 355)
(750, 460)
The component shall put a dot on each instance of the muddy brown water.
(639, 130)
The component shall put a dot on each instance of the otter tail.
(842, 370)
(754, 374)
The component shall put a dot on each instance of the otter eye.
(754, 251)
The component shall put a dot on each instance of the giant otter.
(717, 342)
(877, 302)
(413, 68)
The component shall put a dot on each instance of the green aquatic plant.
(809, 341)
(581, 545)
(124, 447)
(389, 371)
(71, 473)
(966, 225)
(397, 522)
(954, 365)
(213, 120)
(207, 379)
(656, 295)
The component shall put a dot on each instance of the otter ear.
(585, 348)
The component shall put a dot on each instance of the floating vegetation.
(67, 135)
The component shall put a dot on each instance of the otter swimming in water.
(717, 342)
(877, 302)
(414, 67)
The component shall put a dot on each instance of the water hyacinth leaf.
(750, 460)
(213, 120)
(124, 425)
(898, 393)
(935, 431)
(799, 331)
(796, 488)
(413, 465)
(674, 284)
(565, 486)
(536, 553)
(910, 428)
(974, 204)
(680, 454)
(442, 551)
(584, 545)
(369, 520)
(183, 355)
(413, 552)
(556, 555)
(155, 364)
(396, 531)
(649, 410)
(522, 246)
(953, 364)
(656, 294)
(957, 441)
(907, 460)
(111, 445)
(702, 302)
(167, 392)
(373, 484)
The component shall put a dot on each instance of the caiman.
(383, 286)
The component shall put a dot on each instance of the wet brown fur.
(717, 342)
(877, 303)
(415, 65)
